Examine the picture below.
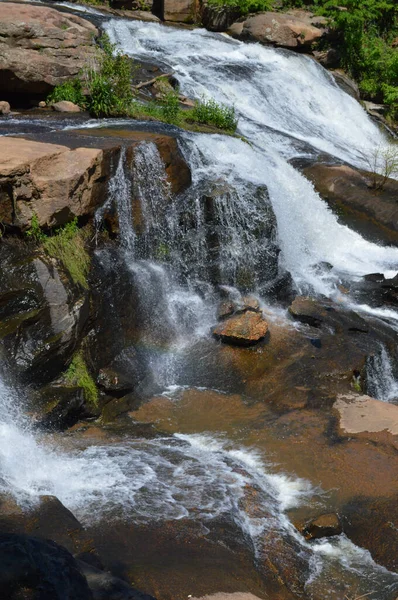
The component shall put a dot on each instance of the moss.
(12, 324)
(78, 374)
(68, 245)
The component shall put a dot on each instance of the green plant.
(78, 374)
(70, 90)
(244, 6)
(170, 107)
(209, 112)
(68, 246)
(383, 164)
(35, 231)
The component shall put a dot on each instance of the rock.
(122, 374)
(323, 526)
(225, 309)
(42, 314)
(294, 30)
(317, 313)
(135, 5)
(232, 596)
(236, 30)
(64, 106)
(242, 330)
(330, 58)
(358, 414)
(41, 47)
(40, 566)
(250, 303)
(372, 213)
(48, 180)
(42, 104)
(4, 108)
(219, 18)
(347, 84)
(105, 586)
(184, 11)
(373, 109)
(64, 407)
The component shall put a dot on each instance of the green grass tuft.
(77, 374)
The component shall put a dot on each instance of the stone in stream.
(4, 108)
(323, 526)
(244, 329)
(64, 106)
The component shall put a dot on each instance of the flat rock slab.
(360, 414)
(224, 596)
(294, 30)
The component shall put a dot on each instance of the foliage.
(35, 231)
(208, 111)
(78, 374)
(365, 32)
(170, 107)
(70, 90)
(68, 246)
(245, 6)
(383, 163)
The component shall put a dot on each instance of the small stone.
(225, 309)
(243, 329)
(42, 104)
(251, 303)
(323, 526)
(65, 106)
(4, 108)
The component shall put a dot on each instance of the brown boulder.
(49, 180)
(294, 30)
(323, 526)
(360, 414)
(4, 108)
(41, 47)
(184, 11)
(372, 213)
(64, 106)
(243, 329)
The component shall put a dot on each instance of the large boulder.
(372, 213)
(297, 30)
(51, 181)
(40, 48)
(219, 17)
(184, 11)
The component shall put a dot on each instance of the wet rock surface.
(323, 526)
(372, 213)
(244, 329)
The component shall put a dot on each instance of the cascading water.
(288, 106)
(381, 379)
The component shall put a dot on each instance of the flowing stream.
(288, 107)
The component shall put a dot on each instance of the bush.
(68, 246)
(70, 90)
(245, 6)
(383, 164)
(209, 112)
(78, 374)
(35, 231)
(170, 107)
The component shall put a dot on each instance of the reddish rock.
(242, 329)
(323, 526)
(180, 10)
(372, 213)
(292, 30)
(41, 47)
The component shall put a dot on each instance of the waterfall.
(381, 377)
(288, 106)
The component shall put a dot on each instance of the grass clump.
(66, 245)
(78, 374)
(70, 90)
(209, 112)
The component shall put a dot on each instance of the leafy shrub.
(209, 112)
(68, 246)
(383, 164)
(78, 374)
(70, 90)
(245, 6)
